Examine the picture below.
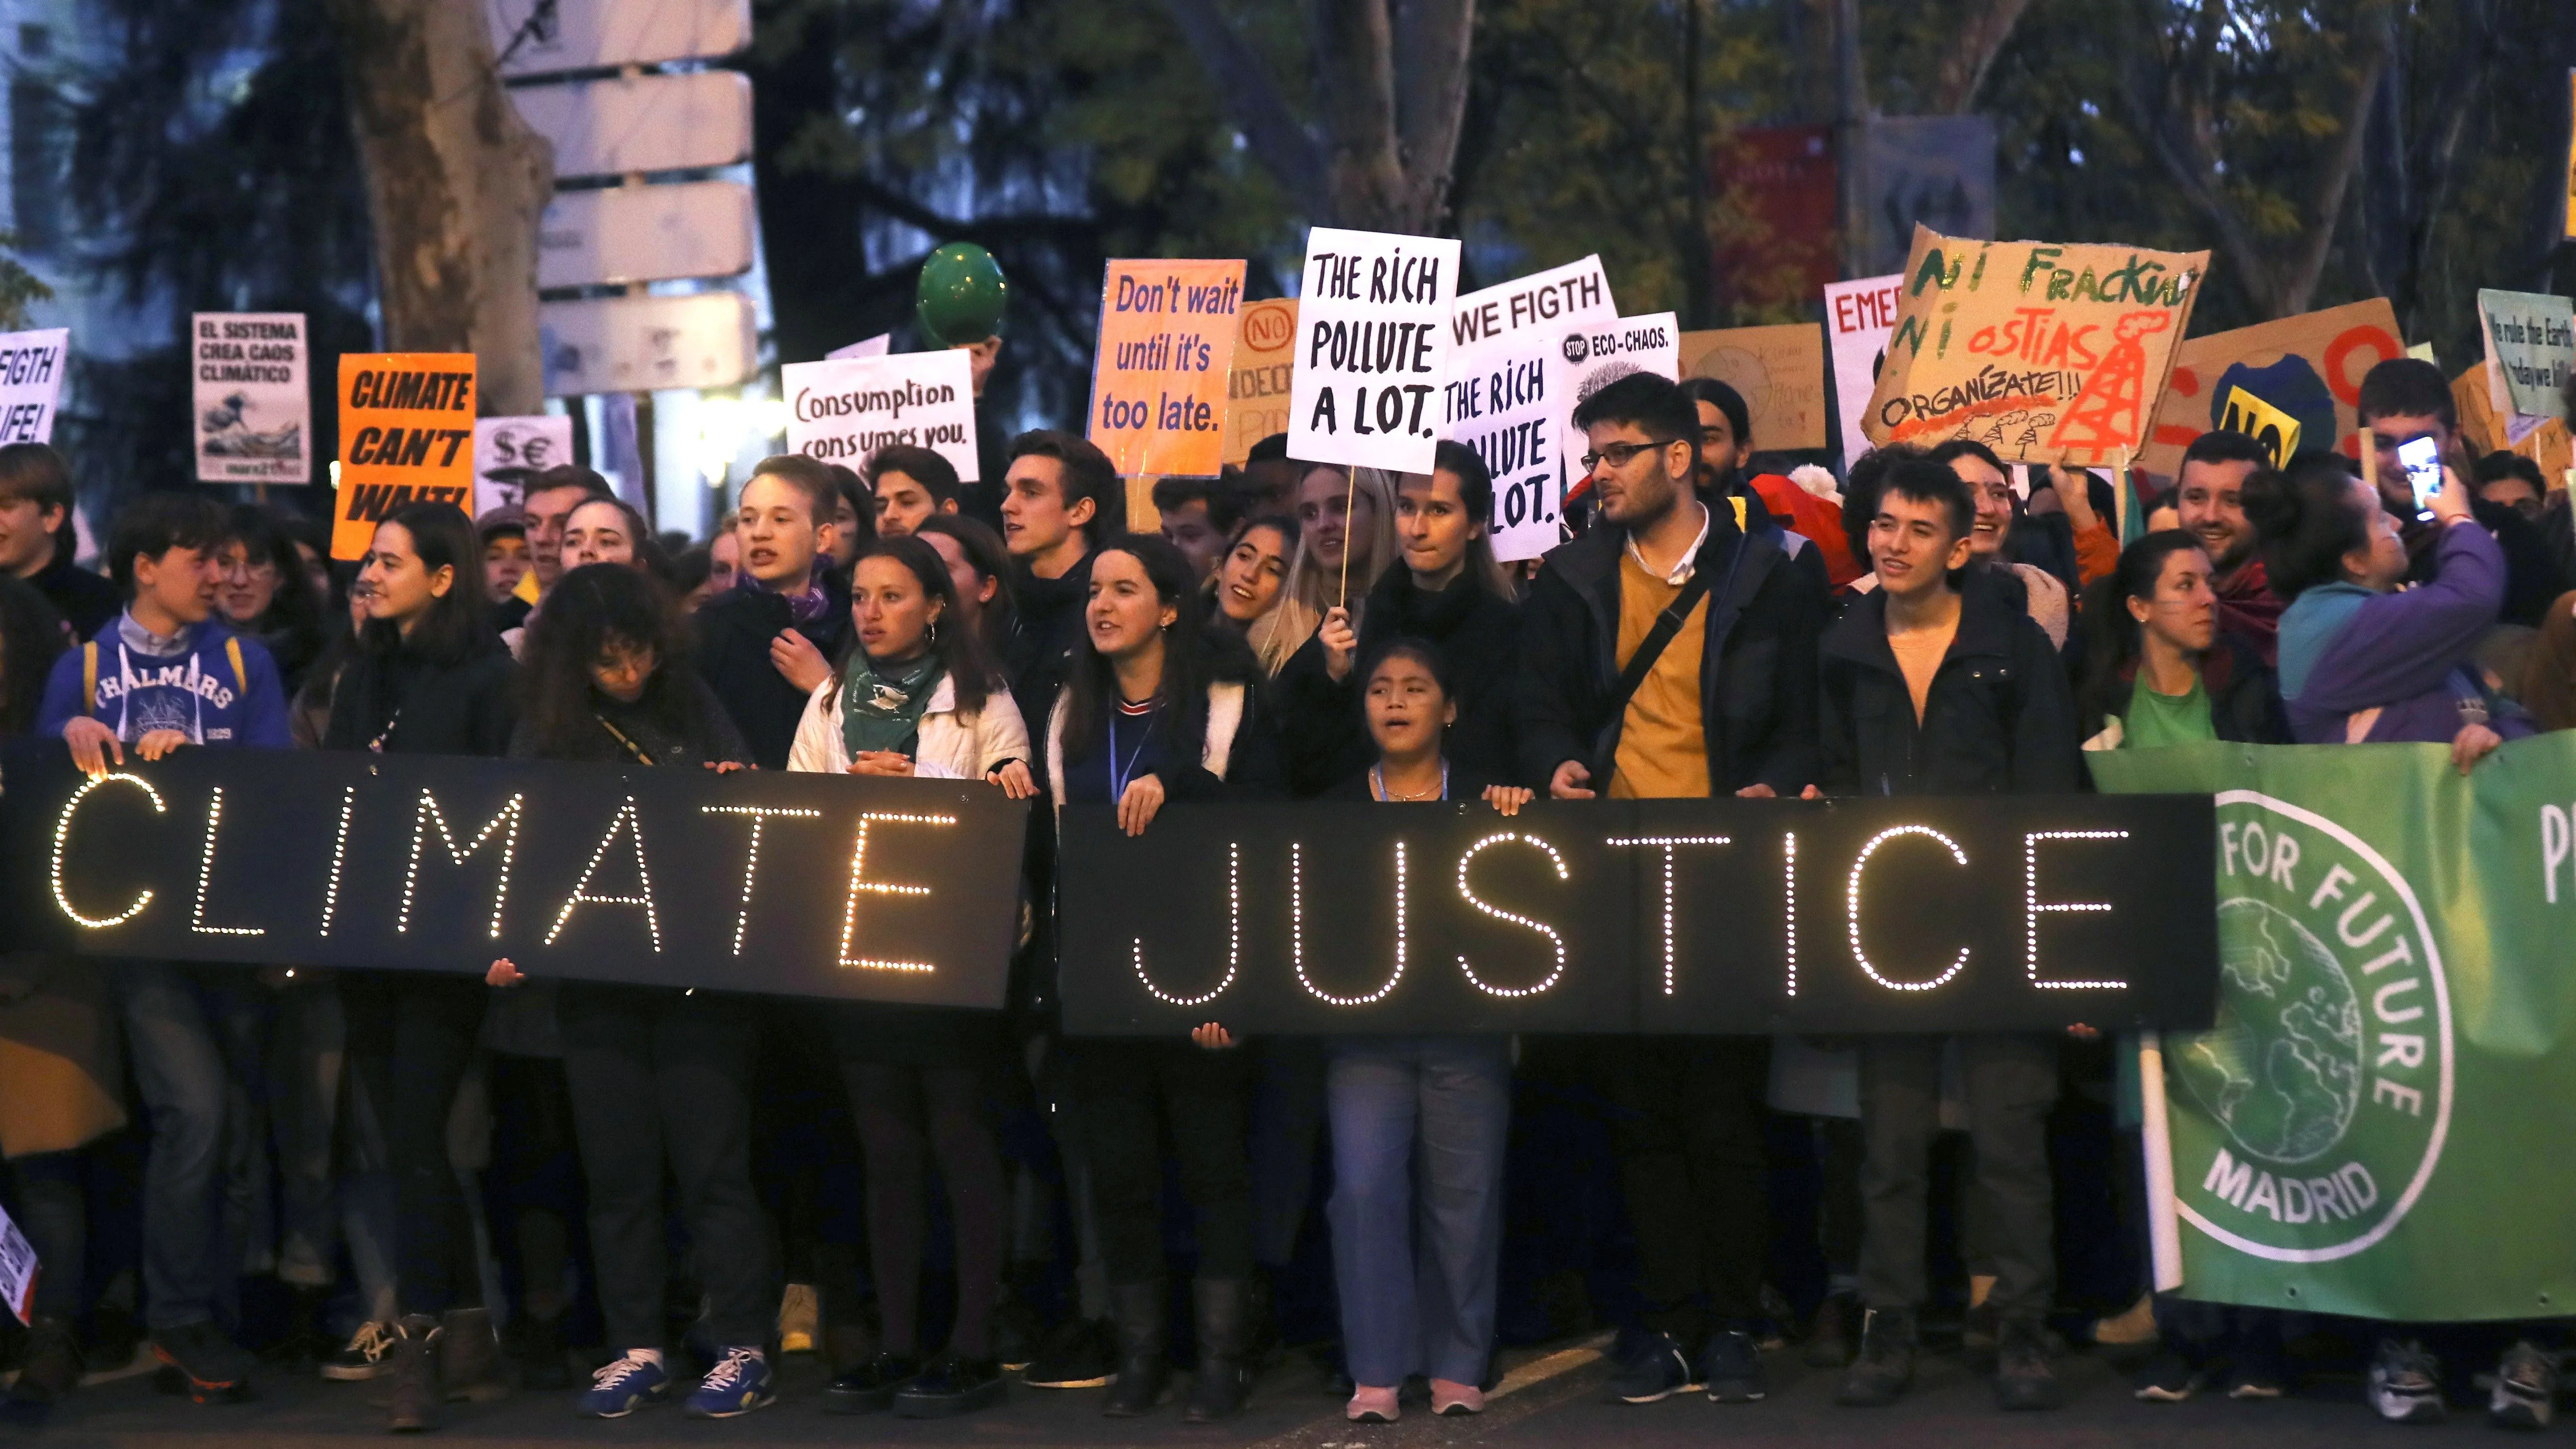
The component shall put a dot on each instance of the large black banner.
(1681, 916)
(806, 885)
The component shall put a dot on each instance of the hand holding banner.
(1158, 388)
(406, 429)
(1372, 349)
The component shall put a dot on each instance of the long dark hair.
(591, 610)
(294, 628)
(31, 639)
(959, 650)
(985, 551)
(2113, 638)
(1187, 668)
(454, 627)
(2307, 518)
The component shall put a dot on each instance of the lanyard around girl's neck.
(1119, 777)
(1377, 785)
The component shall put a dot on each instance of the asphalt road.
(1547, 1398)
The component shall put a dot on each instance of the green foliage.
(19, 288)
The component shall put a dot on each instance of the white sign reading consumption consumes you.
(1497, 400)
(844, 410)
(1372, 349)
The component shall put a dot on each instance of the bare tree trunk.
(1982, 34)
(455, 185)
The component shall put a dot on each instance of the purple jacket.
(2408, 655)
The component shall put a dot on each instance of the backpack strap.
(232, 652)
(89, 677)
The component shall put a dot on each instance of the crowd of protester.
(456, 1183)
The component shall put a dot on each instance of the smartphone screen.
(2422, 460)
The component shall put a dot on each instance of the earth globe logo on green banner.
(2326, 1081)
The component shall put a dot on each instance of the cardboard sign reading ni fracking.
(1372, 348)
(1496, 399)
(406, 436)
(2042, 352)
(1158, 389)
(1779, 370)
(1256, 387)
(2290, 383)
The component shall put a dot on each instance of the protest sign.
(1496, 399)
(2044, 353)
(1780, 371)
(18, 1268)
(406, 434)
(1714, 916)
(843, 411)
(31, 377)
(1158, 387)
(2530, 345)
(2486, 431)
(1372, 349)
(2297, 377)
(254, 404)
(510, 451)
(1859, 316)
(1256, 387)
(1588, 359)
(900, 890)
(877, 346)
(2363, 1131)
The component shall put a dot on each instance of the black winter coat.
(1999, 719)
(1323, 726)
(421, 706)
(1046, 627)
(1757, 674)
(734, 631)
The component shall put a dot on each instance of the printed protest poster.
(1859, 317)
(1779, 370)
(1496, 398)
(254, 406)
(2044, 353)
(2484, 430)
(406, 436)
(1372, 349)
(1256, 387)
(843, 411)
(1158, 388)
(18, 1268)
(1588, 359)
(2531, 343)
(2291, 383)
(31, 377)
(510, 451)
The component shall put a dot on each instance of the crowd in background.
(465, 1183)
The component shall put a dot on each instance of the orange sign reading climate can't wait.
(1158, 393)
(406, 436)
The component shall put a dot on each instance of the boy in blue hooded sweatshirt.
(168, 672)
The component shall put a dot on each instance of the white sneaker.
(2406, 1383)
(2526, 1388)
(800, 1319)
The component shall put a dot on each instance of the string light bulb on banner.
(427, 815)
(1233, 942)
(1499, 914)
(1669, 844)
(858, 868)
(751, 862)
(1851, 904)
(63, 830)
(339, 854)
(2032, 906)
(627, 818)
(1297, 931)
(206, 876)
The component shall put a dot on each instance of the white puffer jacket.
(954, 746)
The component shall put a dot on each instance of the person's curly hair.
(594, 611)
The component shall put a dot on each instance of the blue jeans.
(1433, 1110)
(194, 1036)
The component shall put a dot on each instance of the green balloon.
(961, 296)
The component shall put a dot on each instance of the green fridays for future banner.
(2383, 1120)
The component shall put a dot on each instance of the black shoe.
(1224, 1381)
(469, 1356)
(213, 1368)
(871, 1386)
(2023, 1379)
(951, 1386)
(1883, 1368)
(51, 1366)
(1261, 1342)
(1017, 1333)
(416, 1395)
(112, 1337)
(1730, 1365)
(1829, 1338)
(1082, 1353)
(2168, 1379)
(1137, 1310)
(1656, 1370)
(303, 1347)
(536, 1346)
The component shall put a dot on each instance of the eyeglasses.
(1620, 454)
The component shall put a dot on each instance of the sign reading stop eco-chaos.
(1372, 349)
(406, 436)
(1158, 390)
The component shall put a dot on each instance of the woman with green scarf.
(918, 697)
